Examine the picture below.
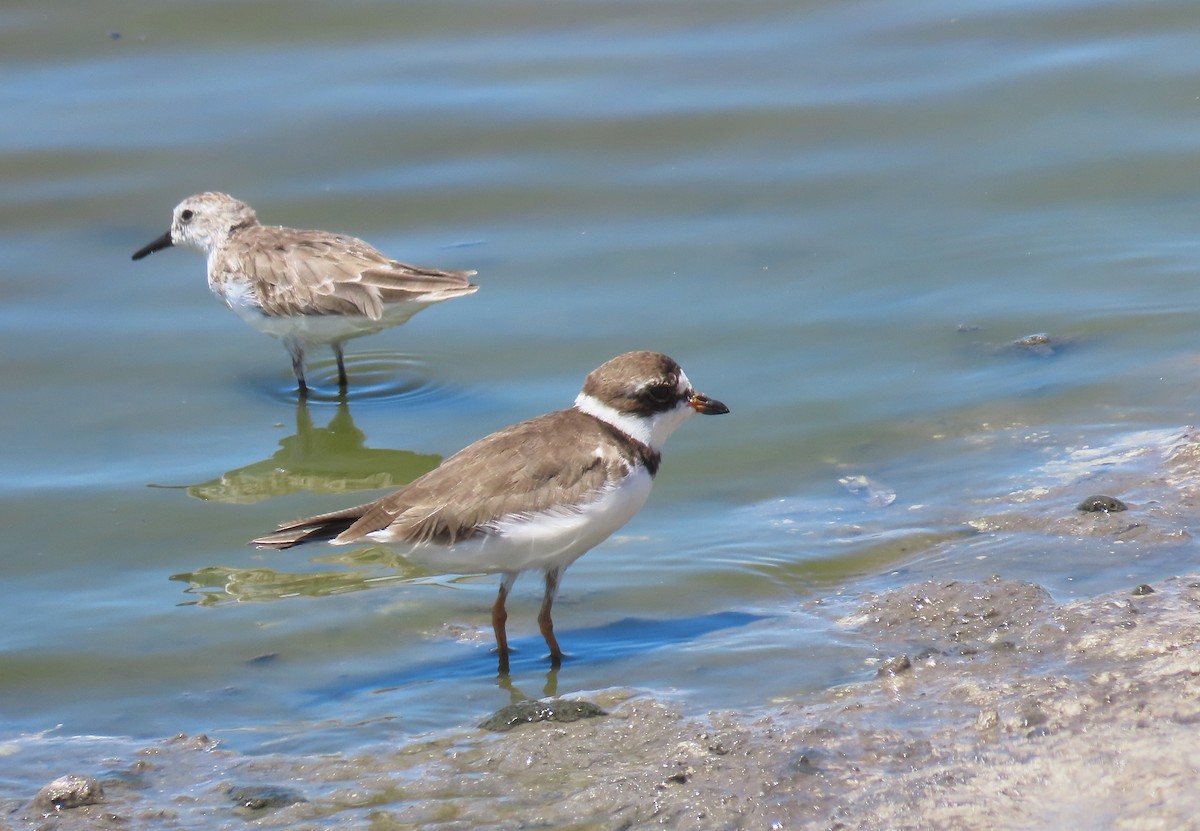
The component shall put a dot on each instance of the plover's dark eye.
(661, 394)
(186, 216)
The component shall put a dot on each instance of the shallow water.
(836, 216)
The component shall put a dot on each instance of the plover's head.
(203, 222)
(645, 395)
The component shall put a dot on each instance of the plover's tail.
(320, 528)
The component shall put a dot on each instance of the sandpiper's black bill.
(704, 405)
(158, 245)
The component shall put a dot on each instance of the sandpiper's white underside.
(314, 329)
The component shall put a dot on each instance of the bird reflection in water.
(325, 460)
(330, 459)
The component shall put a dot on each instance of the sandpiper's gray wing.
(315, 272)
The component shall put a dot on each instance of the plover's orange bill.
(536, 495)
(307, 288)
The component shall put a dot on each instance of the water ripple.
(378, 376)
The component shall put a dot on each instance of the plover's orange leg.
(544, 620)
(500, 618)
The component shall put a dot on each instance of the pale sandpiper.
(307, 288)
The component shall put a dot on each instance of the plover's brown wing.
(553, 461)
(314, 272)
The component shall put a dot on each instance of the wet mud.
(988, 705)
(1009, 711)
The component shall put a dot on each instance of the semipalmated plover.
(535, 495)
(307, 288)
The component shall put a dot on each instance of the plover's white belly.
(550, 539)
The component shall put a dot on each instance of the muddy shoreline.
(1015, 712)
(991, 706)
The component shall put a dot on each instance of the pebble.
(70, 791)
(894, 666)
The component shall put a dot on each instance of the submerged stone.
(263, 797)
(528, 711)
(1100, 502)
(1039, 344)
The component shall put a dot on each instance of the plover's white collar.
(651, 430)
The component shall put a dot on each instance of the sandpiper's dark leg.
(343, 382)
(500, 617)
(544, 621)
(297, 353)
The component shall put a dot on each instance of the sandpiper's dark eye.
(186, 216)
